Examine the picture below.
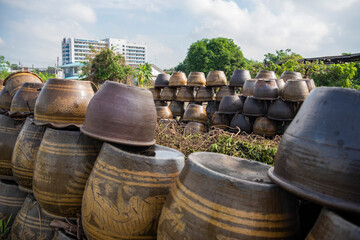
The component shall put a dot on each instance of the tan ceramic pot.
(310, 83)
(168, 94)
(185, 94)
(15, 80)
(205, 94)
(265, 127)
(195, 113)
(224, 91)
(295, 90)
(156, 92)
(196, 79)
(248, 88)
(290, 75)
(216, 78)
(266, 74)
(163, 112)
(177, 79)
(177, 108)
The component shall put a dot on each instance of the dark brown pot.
(24, 154)
(317, 153)
(266, 89)
(163, 112)
(168, 94)
(63, 164)
(177, 79)
(333, 226)
(195, 113)
(205, 94)
(248, 88)
(31, 223)
(224, 91)
(280, 110)
(230, 105)
(240, 122)
(9, 131)
(185, 94)
(126, 191)
(211, 108)
(223, 197)
(5, 101)
(219, 120)
(295, 90)
(162, 80)
(290, 75)
(196, 79)
(265, 127)
(132, 123)
(192, 128)
(23, 103)
(216, 78)
(62, 103)
(239, 77)
(177, 108)
(266, 74)
(254, 107)
(156, 92)
(11, 200)
(15, 80)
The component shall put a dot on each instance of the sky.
(31, 31)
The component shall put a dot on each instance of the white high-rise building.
(76, 49)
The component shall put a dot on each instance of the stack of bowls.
(195, 113)
(228, 107)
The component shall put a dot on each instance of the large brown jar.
(14, 81)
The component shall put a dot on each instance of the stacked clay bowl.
(15, 80)
(163, 112)
(266, 74)
(216, 79)
(248, 87)
(192, 128)
(240, 122)
(196, 79)
(177, 79)
(223, 197)
(185, 94)
(162, 80)
(219, 120)
(5, 101)
(224, 91)
(266, 89)
(177, 108)
(205, 94)
(239, 77)
(195, 113)
(290, 75)
(156, 92)
(295, 90)
(168, 94)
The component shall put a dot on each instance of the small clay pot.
(280, 110)
(290, 75)
(224, 91)
(163, 112)
(177, 108)
(295, 90)
(196, 79)
(185, 94)
(266, 74)
(205, 94)
(177, 79)
(230, 105)
(168, 94)
(266, 89)
(239, 77)
(5, 101)
(265, 127)
(162, 80)
(254, 107)
(216, 79)
(192, 128)
(240, 122)
(195, 113)
(310, 83)
(219, 120)
(248, 88)
(15, 80)
(156, 92)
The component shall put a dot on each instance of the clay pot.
(15, 80)
(254, 107)
(265, 127)
(160, 103)
(31, 223)
(266, 74)
(126, 191)
(62, 103)
(168, 94)
(177, 79)
(290, 75)
(23, 103)
(211, 108)
(240, 122)
(266, 89)
(156, 93)
(63, 164)
(333, 226)
(185, 94)
(177, 108)
(219, 120)
(196, 79)
(248, 88)
(24, 154)
(280, 110)
(216, 78)
(239, 77)
(280, 84)
(310, 83)
(317, 153)
(5, 101)
(230, 105)
(9, 131)
(11, 200)
(131, 123)
(224, 91)
(223, 197)
(192, 128)
(295, 90)
(205, 94)
(195, 113)
(162, 80)
(163, 112)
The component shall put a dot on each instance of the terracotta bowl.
(5, 101)
(239, 77)
(266, 74)
(156, 93)
(163, 112)
(254, 107)
(15, 80)
(196, 79)
(280, 110)
(224, 91)
(216, 78)
(177, 108)
(223, 197)
(162, 80)
(290, 75)
(195, 113)
(220, 120)
(168, 94)
(23, 103)
(132, 122)
(295, 90)
(177, 79)
(62, 103)
(240, 123)
(192, 128)
(265, 127)
(185, 94)
(248, 88)
(317, 153)
(230, 105)
(205, 94)
(266, 89)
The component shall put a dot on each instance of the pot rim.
(278, 119)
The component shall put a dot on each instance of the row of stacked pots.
(125, 187)
(265, 106)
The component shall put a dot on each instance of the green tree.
(143, 74)
(4, 66)
(45, 75)
(213, 54)
(281, 56)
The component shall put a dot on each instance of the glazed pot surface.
(216, 78)
(230, 105)
(15, 80)
(239, 77)
(162, 80)
(195, 113)
(196, 79)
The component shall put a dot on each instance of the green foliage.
(5, 227)
(106, 65)
(143, 74)
(4, 65)
(44, 76)
(281, 56)
(213, 54)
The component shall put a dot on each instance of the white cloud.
(149, 6)
(2, 42)
(80, 12)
